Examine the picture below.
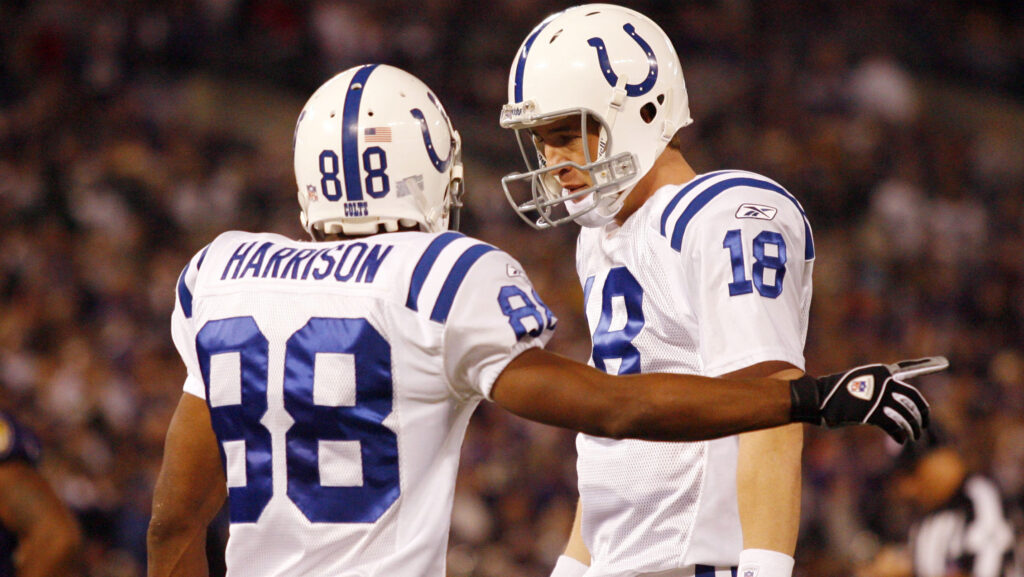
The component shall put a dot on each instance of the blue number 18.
(740, 285)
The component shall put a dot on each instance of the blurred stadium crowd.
(133, 132)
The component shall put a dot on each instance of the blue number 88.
(362, 422)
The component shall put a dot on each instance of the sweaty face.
(561, 141)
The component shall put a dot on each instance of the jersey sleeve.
(751, 253)
(183, 330)
(495, 316)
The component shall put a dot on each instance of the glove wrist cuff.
(805, 402)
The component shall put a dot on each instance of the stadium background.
(132, 132)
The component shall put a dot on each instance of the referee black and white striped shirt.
(971, 535)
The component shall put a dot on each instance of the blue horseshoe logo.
(440, 165)
(612, 78)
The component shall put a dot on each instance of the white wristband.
(764, 563)
(568, 567)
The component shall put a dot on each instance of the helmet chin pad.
(546, 204)
(590, 212)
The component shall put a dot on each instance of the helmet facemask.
(539, 197)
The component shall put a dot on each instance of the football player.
(39, 535)
(704, 274)
(330, 383)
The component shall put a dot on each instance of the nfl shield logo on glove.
(863, 387)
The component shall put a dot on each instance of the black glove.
(872, 394)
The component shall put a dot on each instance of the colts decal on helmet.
(609, 74)
(440, 165)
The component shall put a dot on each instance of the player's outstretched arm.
(552, 389)
(188, 493)
(548, 388)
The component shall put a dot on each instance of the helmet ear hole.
(661, 99)
(648, 112)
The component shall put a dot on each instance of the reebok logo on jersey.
(863, 387)
(759, 211)
(751, 572)
(513, 271)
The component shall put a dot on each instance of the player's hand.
(873, 394)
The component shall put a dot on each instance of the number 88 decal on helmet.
(363, 161)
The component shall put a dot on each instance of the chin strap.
(615, 104)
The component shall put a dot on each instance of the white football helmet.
(619, 68)
(374, 147)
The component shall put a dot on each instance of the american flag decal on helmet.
(377, 134)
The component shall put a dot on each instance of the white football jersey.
(340, 377)
(705, 278)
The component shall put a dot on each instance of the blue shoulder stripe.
(679, 196)
(708, 194)
(202, 257)
(455, 277)
(426, 262)
(185, 295)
